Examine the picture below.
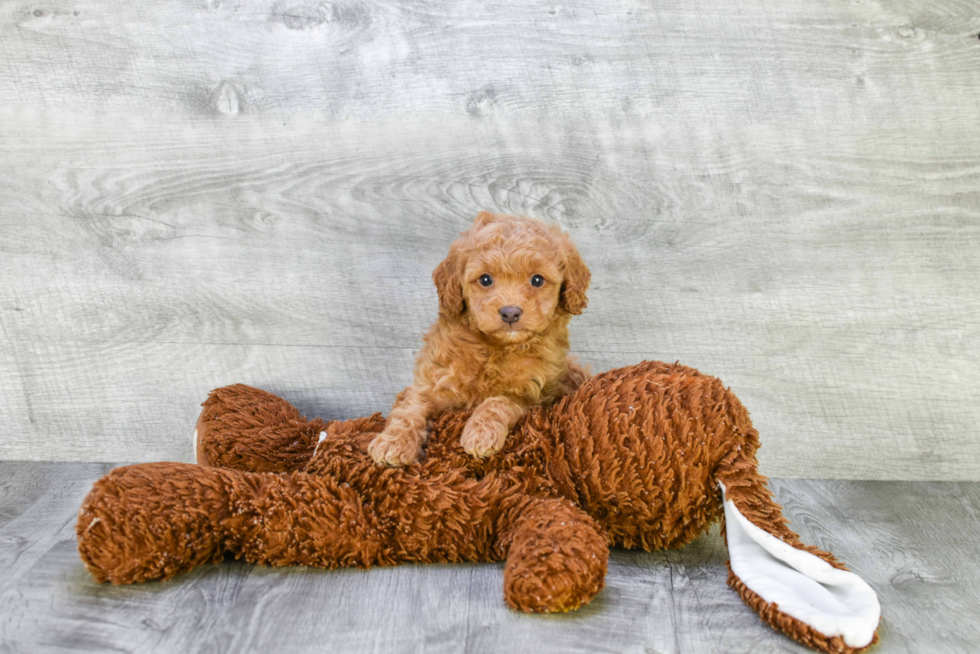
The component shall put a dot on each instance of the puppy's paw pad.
(482, 440)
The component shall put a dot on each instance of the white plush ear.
(805, 587)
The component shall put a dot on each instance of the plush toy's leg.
(556, 557)
(153, 521)
(246, 428)
(800, 590)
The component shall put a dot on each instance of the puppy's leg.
(574, 376)
(487, 428)
(400, 444)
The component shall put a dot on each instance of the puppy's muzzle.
(510, 315)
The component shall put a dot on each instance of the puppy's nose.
(510, 315)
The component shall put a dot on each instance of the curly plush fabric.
(631, 459)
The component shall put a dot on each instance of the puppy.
(506, 293)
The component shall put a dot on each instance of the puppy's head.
(510, 278)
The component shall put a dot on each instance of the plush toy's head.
(510, 278)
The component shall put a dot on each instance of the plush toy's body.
(638, 457)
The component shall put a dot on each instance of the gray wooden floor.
(915, 542)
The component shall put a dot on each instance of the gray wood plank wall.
(783, 194)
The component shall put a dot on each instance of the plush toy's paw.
(151, 521)
(396, 446)
(556, 561)
(482, 437)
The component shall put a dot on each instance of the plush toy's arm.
(556, 556)
(800, 590)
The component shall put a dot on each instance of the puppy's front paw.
(483, 438)
(396, 446)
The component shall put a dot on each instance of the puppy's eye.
(537, 280)
(486, 280)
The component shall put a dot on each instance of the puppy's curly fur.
(506, 293)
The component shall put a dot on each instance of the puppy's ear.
(448, 278)
(482, 219)
(576, 280)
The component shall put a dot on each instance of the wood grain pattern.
(39, 505)
(914, 542)
(200, 193)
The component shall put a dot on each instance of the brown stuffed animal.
(644, 456)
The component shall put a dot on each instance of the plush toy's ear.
(576, 278)
(448, 278)
(802, 591)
